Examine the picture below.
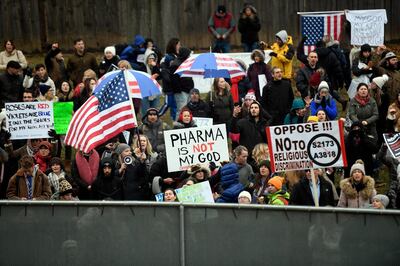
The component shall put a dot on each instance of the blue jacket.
(230, 183)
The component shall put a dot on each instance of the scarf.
(235, 88)
(88, 169)
(54, 180)
(42, 161)
(362, 101)
(29, 186)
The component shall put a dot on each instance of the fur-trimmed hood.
(346, 185)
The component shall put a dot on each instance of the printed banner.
(62, 116)
(306, 146)
(197, 145)
(197, 193)
(30, 120)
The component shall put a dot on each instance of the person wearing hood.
(358, 190)
(360, 146)
(28, 183)
(151, 66)
(251, 128)
(276, 194)
(282, 53)
(259, 67)
(323, 100)
(196, 105)
(364, 108)
(181, 85)
(80, 61)
(134, 53)
(107, 186)
(297, 112)
(153, 127)
(185, 119)
(280, 89)
(55, 65)
(199, 173)
(11, 88)
(221, 25)
(10, 53)
(110, 58)
(249, 26)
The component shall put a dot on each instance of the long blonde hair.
(136, 144)
(260, 152)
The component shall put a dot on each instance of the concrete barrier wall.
(132, 233)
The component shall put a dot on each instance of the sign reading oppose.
(306, 146)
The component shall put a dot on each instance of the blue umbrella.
(140, 83)
(210, 65)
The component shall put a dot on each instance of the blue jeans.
(181, 99)
(222, 46)
(249, 47)
(146, 104)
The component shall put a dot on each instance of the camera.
(128, 160)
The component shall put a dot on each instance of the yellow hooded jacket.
(285, 54)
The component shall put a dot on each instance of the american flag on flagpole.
(316, 26)
(105, 114)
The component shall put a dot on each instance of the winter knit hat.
(121, 147)
(315, 79)
(380, 81)
(265, 163)
(194, 90)
(358, 165)
(312, 119)
(390, 55)
(64, 187)
(365, 48)
(323, 86)
(46, 144)
(382, 199)
(110, 49)
(282, 35)
(245, 194)
(43, 88)
(250, 95)
(277, 182)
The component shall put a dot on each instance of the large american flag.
(316, 26)
(105, 114)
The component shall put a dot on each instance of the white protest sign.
(306, 146)
(29, 120)
(203, 121)
(367, 26)
(197, 193)
(196, 145)
(262, 81)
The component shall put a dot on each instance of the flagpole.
(130, 95)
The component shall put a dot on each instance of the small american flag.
(316, 26)
(105, 114)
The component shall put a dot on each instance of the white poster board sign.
(197, 193)
(203, 121)
(196, 145)
(29, 120)
(367, 26)
(306, 146)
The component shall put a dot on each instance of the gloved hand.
(52, 133)
(323, 102)
(273, 54)
(28, 71)
(7, 136)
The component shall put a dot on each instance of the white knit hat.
(323, 85)
(358, 165)
(245, 194)
(382, 199)
(110, 49)
(380, 81)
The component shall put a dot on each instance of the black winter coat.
(11, 89)
(329, 61)
(135, 182)
(249, 28)
(199, 109)
(277, 89)
(301, 194)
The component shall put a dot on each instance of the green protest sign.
(197, 193)
(62, 116)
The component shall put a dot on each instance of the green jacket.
(279, 198)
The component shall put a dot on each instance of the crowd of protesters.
(136, 168)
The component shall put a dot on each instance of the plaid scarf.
(29, 185)
(54, 180)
